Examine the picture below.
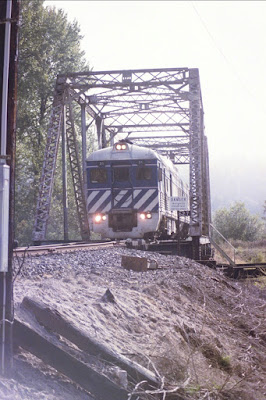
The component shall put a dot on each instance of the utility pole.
(9, 15)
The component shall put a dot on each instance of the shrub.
(238, 223)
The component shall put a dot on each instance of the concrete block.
(138, 264)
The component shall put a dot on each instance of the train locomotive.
(129, 191)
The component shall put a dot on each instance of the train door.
(122, 217)
(122, 188)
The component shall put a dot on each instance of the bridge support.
(199, 167)
(64, 176)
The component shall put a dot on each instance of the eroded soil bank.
(199, 330)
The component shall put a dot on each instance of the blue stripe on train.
(149, 201)
(120, 202)
(104, 204)
(95, 199)
(155, 208)
(139, 196)
(125, 197)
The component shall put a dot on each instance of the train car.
(129, 191)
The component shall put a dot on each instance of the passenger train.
(129, 193)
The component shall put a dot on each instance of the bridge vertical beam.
(84, 146)
(101, 134)
(104, 139)
(98, 122)
(206, 204)
(196, 146)
(76, 171)
(64, 175)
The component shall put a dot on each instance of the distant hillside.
(232, 181)
(245, 181)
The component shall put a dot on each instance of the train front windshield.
(120, 174)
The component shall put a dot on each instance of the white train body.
(129, 191)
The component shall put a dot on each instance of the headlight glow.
(120, 146)
(145, 215)
(98, 218)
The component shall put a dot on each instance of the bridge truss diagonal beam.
(48, 170)
(76, 172)
(62, 100)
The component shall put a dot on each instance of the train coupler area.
(123, 220)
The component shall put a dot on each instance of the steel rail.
(56, 248)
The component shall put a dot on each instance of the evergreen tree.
(48, 45)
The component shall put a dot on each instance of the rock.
(108, 297)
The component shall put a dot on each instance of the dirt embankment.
(199, 330)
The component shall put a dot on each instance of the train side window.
(98, 175)
(144, 173)
(160, 174)
(121, 174)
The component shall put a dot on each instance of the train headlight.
(145, 215)
(120, 146)
(98, 218)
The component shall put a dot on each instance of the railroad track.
(60, 248)
(240, 271)
(236, 272)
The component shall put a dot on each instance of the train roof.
(132, 152)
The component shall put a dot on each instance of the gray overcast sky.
(226, 40)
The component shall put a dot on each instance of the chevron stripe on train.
(143, 200)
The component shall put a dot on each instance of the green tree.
(264, 211)
(264, 219)
(237, 223)
(48, 45)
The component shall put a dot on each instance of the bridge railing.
(221, 243)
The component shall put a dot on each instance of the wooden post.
(54, 321)
(90, 380)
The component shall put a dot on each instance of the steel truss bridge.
(158, 108)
